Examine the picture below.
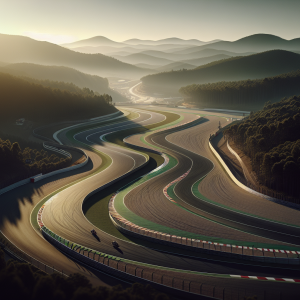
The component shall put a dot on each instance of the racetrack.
(63, 215)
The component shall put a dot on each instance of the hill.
(140, 58)
(38, 103)
(266, 64)
(146, 66)
(175, 66)
(63, 74)
(270, 137)
(59, 73)
(16, 49)
(190, 56)
(205, 60)
(95, 41)
(131, 49)
(243, 95)
(256, 43)
(173, 40)
(198, 52)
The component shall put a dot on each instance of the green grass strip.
(106, 161)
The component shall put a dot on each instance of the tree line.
(17, 164)
(24, 99)
(271, 138)
(245, 94)
(23, 281)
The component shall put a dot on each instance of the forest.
(255, 66)
(23, 281)
(23, 99)
(245, 94)
(17, 164)
(271, 138)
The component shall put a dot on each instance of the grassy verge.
(106, 161)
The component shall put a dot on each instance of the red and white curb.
(266, 278)
(165, 190)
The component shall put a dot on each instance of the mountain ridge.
(19, 49)
(260, 65)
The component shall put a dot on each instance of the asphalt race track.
(63, 213)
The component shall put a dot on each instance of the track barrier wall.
(131, 272)
(233, 251)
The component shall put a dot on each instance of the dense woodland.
(243, 95)
(17, 164)
(23, 99)
(23, 281)
(271, 138)
(64, 86)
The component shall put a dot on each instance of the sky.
(64, 21)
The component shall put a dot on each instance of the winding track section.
(129, 250)
(69, 222)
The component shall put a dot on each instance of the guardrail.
(133, 272)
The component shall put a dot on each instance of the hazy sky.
(62, 21)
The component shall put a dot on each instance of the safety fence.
(262, 255)
(182, 285)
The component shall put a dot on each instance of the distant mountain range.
(134, 58)
(17, 49)
(254, 66)
(99, 41)
(131, 49)
(137, 58)
(173, 40)
(252, 43)
(256, 43)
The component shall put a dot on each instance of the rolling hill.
(173, 40)
(37, 103)
(266, 64)
(205, 60)
(198, 52)
(194, 55)
(140, 58)
(175, 66)
(16, 49)
(147, 66)
(256, 43)
(95, 41)
(108, 50)
(63, 74)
